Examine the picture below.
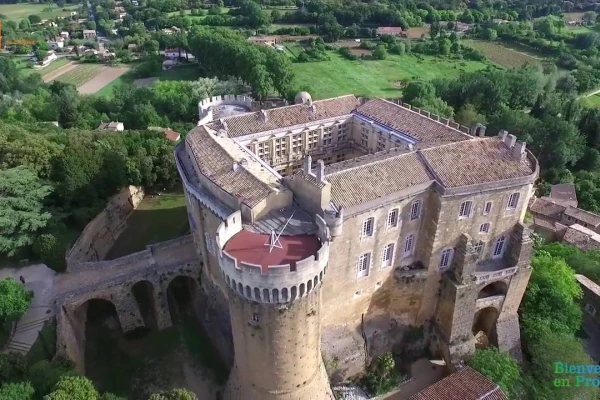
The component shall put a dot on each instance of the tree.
(490, 34)
(44, 375)
(497, 365)
(174, 394)
(13, 366)
(22, 213)
(468, 115)
(380, 53)
(14, 300)
(24, 24)
(73, 388)
(16, 391)
(34, 19)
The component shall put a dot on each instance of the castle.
(406, 220)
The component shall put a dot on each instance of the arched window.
(256, 294)
(293, 293)
(266, 296)
(248, 292)
(275, 296)
(284, 294)
(302, 289)
(309, 285)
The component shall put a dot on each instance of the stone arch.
(321, 276)
(143, 292)
(493, 289)
(284, 294)
(316, 281)
(266, 296)
(309, 285)
(302, 289)
(248, 292)
(484, 327)
(275, 296)
(240, 288)
(293, 293)
(183, 296)
(257, 294)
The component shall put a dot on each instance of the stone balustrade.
(489, 276)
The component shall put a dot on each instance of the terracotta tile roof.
(542, 222)
(563, 191)
(389, 30)
(415, 125)
(476, 161)
(308, 177)
(582, 215)
(465, 384)
(581, 237)
(172, 135)
(547, 208)
(214, 156)
(588, 283)
(382, 177)
(276, 118)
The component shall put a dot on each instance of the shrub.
(347, 53)
(51, 250)
(13, 367)
(381, 376)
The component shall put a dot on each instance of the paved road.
(40, 279)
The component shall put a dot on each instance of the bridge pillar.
(129, 314)
(163, 315)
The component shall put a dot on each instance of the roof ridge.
(373, 162)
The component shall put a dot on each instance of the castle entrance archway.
(493, 289)
(484, 327)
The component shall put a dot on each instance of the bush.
(497, 365)
(380, 53)
(16, 391)
(347, 53)
(398, 48)
(13, 367)
(381, 376)
(51, 250)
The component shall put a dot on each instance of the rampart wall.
(101, 233)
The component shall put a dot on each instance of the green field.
(381, 78)
(591, 101)
(157, 218)
(501, 54)
(19, 11)
(54, 65)
(81, 74)
(107, 91)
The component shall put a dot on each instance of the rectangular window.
(487, 208)
(446, 258)
(387, 256)
(415, 210)
(590, 309)
(484, 228)
(479, 247)
(210, 246)
(409, 244)
(392, 219)
(465, 209)
(362, 265)
(499, 247)
(368, 227)
(513, 201)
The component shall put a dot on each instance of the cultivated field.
(102, 79)
(418, 32)
(23, 10)
(80, 74)
(502, 55)
(382, 78)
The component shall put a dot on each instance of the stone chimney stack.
(480, 130)
(519, 150)
(308, 164)
(320, 171)
(263, 116)
(502, 134)
(510, 141)
(313, 109)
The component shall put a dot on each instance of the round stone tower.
(275, 301)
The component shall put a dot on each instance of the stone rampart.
(276, 283)
(102, 232)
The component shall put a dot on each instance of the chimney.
(519, 150)
(411, 147)
(510, 141)
(312, 109)
(236, 166)
(480, 130)
(263, 116)
(320, 171)
(502, 134)
(307, 164)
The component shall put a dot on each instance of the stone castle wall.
(101, 233)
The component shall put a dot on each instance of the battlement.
(478, 130)
(260, 273)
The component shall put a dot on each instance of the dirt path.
(58, 72)
(105, 77)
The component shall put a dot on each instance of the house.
(175, 53)
(48, 58)
(82, 20)
(132, 47)
(64, 35)
(564, 193)
(122, 15)
(170, 31)
(73, 13)
(89, 34)
(265, 40)
(465, 384)
(111, 126)
(169, 133)
(56, 43)
(389, 30)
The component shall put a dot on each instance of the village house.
(48, 58)
(64, 34)
(170, 134)
(265, 40)
(89, 34)
(111, 126)
(56, 43)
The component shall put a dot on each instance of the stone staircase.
(27, 330)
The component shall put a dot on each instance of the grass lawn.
(19, 11)
(591, 101)
(380, 78)
(182, 73)
(54, 65)
(107, 91)
(81, 74)
(157, 218)
(502, 55)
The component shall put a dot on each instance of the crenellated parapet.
(274, 283)
(205, 105)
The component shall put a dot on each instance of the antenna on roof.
(274, 240)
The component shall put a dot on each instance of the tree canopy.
(14, 300)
